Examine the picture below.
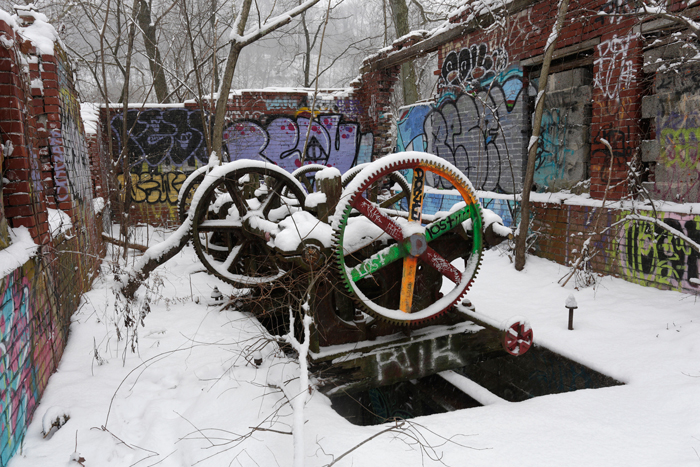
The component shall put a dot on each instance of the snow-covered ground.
(191, 395)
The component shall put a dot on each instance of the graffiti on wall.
(678, 177)
(17, 383)
(152, 188)
(469, 131)
(164, 136)
(73, 180)
(332, 141)
(552, 152)
(474, 66)
(649, 253)
(616, 71)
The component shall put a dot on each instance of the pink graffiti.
(17, 384)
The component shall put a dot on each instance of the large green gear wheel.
(407, 240)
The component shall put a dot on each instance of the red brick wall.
(168, 143)
(638, 251)
(46, 163)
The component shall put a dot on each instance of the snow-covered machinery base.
(383, 280)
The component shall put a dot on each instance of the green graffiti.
(679, 148)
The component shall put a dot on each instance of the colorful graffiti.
(17, 383)
(151, 188)
(552, 152)
(472, 64)
(332, 141)
(163, 136)
(649, 253)
(678, 177)
(472, 129)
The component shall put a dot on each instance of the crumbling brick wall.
(45, 265)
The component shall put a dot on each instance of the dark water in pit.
(537, 373)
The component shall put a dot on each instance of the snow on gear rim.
(187, 190)
(225, 220)
(353, 201)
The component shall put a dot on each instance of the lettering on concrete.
(418, 359)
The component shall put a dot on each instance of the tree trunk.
(160, 85)
(521, 239)
(307, 54)
(225, 88)
(399, 12)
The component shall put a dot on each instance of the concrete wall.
(563, 153)
(673, 112)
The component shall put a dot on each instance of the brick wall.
(167, 143)
(488, 77)
(638, 251)
(47, 167)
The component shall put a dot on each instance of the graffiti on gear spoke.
(167, 136)
(332, 141)
(650, 253)
(18, 382)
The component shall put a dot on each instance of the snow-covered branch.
(298, 400)
(269, 26)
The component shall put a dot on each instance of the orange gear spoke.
(408, 282)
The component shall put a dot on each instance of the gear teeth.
(378, 170)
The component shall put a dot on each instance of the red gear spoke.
(441, 265)
(373, 213)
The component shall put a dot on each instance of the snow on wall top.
(89, 112)
(19, 252)
(463, 14)
(33, 26)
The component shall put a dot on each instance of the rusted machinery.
(386, 282)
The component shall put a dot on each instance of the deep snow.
(191, 394)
